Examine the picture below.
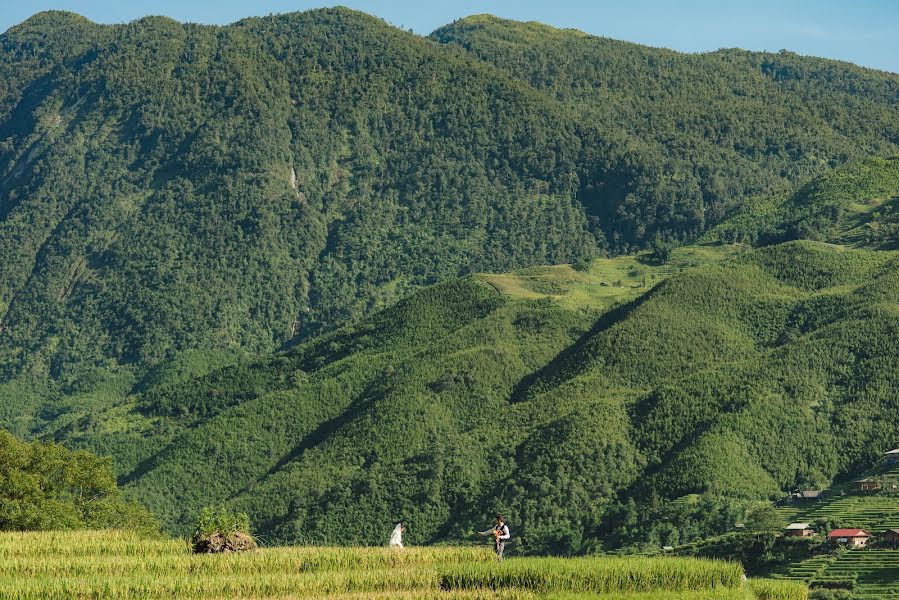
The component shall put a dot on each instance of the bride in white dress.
(396, 538)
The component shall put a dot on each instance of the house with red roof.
(855, 538)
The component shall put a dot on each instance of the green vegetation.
(767, 589)
(44, 486)
(334, 275)
(627, 422)
(172, 188)
(119, 565)
(857, 204)
(603, 283)
(220, 530)
(698, 134)
(598, 575)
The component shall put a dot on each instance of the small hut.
(891, 537)
(868, 484)
(799, 530)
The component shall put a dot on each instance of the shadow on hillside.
(571, 361)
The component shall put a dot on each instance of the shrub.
(222, 531)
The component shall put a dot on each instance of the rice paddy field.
(110, 564)
(871, 574)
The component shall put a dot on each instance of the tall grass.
(772, 589)
(599, 574)
(113, 565)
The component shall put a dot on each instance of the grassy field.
(605, 281)
(121, 565)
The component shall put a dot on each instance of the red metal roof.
(848, 533)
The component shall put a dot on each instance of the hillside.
(862, 573)
(719, 380)
(325, 271)
(701, 133)
(181, 194)
(854, 205)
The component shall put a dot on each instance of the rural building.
(799, 530)
(856, 538)
(868, 484)
(891, 537)
(805, 495)
(891, 457)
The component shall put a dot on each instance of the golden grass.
(117, 565)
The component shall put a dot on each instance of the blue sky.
(865, 32)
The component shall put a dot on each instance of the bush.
(222, 531)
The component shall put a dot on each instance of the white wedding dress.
(396, 538)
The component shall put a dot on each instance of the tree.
(763, 518)
(661, 251)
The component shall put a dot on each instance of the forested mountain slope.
(171, 187)
(585, 424)
(704, 132)
(205, 232)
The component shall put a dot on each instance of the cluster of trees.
(45, 486)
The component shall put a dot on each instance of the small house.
(891, 457)
(799, 530)
(807, 495)
(854, 538)
(891, 537)
(868, 484)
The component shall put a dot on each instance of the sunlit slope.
(855, 205)
(539, 395)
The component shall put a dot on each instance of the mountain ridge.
(320, 269)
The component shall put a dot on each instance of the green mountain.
(701, 133)
(293, 266)
(172, 188)
(586, 418)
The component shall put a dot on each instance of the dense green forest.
(624, 404)
(252, 265)
(168, 188)
(585, 425)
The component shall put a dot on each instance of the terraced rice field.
(875, 573)
(119, 565)
(870, 512)
(871, 574)
(807, 570)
